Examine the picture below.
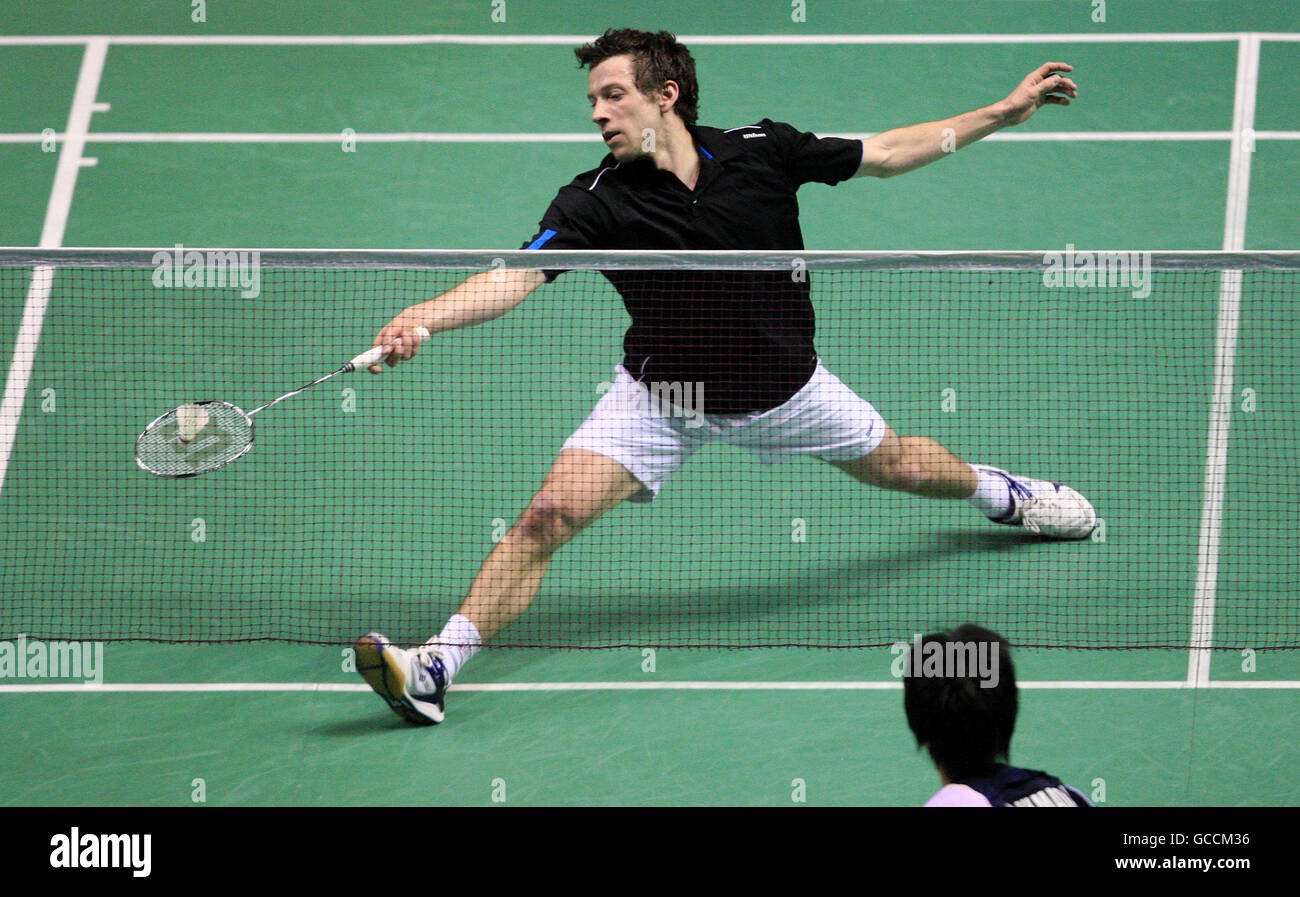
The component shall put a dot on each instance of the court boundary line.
(71, 161)
(328, 137)
(666, 685)
(1123, 37)
(1205, 589)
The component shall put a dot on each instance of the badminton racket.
(200, 437)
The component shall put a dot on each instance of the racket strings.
(227, 435)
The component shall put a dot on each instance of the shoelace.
(1027, 508)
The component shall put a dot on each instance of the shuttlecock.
(190, 420)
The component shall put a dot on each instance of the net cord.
(761, 260)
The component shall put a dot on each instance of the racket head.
(228, 436)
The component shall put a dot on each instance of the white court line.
(1080, 136)
(1225, 354)
(337, 137)
(300, 40)
(56, 222)
(233, 687)
(593, 138)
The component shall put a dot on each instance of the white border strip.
(301, 40)
(1225, 354)
(56, 222)
(226, 687)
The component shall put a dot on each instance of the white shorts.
(652, 439)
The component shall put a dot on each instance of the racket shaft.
(365, 359)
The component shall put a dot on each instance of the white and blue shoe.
(1046, 508)
(413, 683)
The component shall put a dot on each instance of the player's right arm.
(483, 297)
(574, 220)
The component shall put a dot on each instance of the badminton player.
(743, 341)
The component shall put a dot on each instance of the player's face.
(622, 112)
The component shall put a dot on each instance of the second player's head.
(640, 83)
(963, 717)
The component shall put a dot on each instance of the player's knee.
(909, 477)
(906, 473)
(549, 522)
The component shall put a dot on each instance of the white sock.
(992, 496)
(459, 641)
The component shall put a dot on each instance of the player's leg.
(922, 466)
(913, 464)
(581, 486)
(828, 420)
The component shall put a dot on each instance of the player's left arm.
(904, 149)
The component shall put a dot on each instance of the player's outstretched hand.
(1045, 84)
(400, 339)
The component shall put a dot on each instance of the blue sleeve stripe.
(541, 241)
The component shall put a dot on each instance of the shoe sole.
(383, 674)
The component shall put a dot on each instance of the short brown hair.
(657, 58)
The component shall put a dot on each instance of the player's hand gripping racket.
(204, 436)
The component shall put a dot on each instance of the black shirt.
(747, 336)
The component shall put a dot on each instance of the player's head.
(638, 81)
(963, 716)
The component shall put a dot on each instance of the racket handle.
(377, 354)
